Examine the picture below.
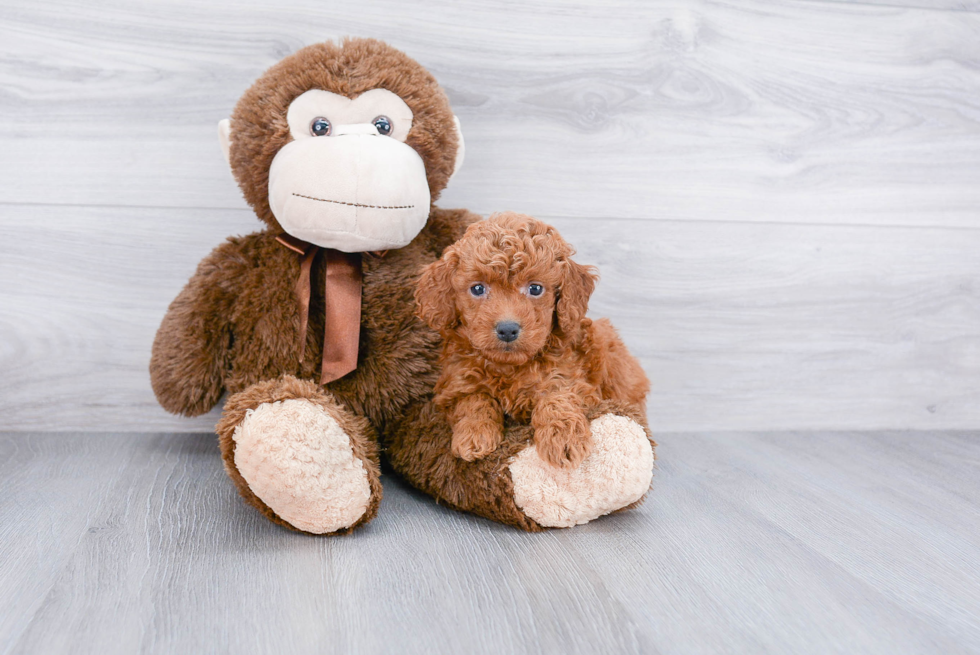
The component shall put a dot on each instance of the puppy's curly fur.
(513, 269)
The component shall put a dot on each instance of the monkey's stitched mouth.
(355, 204)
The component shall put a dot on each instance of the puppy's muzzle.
(508, 331)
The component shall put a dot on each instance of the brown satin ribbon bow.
(342, 301)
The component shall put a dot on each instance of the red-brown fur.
(236, 326)
(561, 364)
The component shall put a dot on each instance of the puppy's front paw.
(565, 442)
(475, 441)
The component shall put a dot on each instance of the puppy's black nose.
(507, 331)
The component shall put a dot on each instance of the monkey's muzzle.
(354, 191)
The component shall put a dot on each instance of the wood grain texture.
(751, 542)
(935, 5)
(789, 111)
(782, 196)
(738, 325)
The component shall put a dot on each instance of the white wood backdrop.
(783, 196)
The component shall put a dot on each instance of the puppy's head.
(507, 287)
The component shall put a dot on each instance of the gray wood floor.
(808, 542)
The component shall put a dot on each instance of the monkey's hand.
(191, 347)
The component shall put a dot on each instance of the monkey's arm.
(192, 345)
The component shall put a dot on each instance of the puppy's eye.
(535, 289)
(478, 290)
(320, 126)
(383, 124)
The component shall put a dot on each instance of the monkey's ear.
(224, 138)
(460, 149)
(434, 297)
(576, 287)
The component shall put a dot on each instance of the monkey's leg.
(300, 457)
(513, 485)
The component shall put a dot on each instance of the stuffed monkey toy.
(310, 325)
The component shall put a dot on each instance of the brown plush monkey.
(310, 324)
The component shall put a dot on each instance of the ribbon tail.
(342, 319)
(304, 289)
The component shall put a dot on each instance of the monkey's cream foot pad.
(616, 473)
(298, 460)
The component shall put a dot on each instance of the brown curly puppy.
(510, 305)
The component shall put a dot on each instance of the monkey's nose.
(508, 331)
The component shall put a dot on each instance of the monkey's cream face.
(347, 180)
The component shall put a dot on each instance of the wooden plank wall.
(783, 196)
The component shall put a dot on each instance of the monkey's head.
(344, 145)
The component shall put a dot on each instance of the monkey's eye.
(478, 290)
(535, 289)
(383, 124)
(320, 126)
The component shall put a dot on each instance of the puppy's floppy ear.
(575, 289)
(434, 295)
